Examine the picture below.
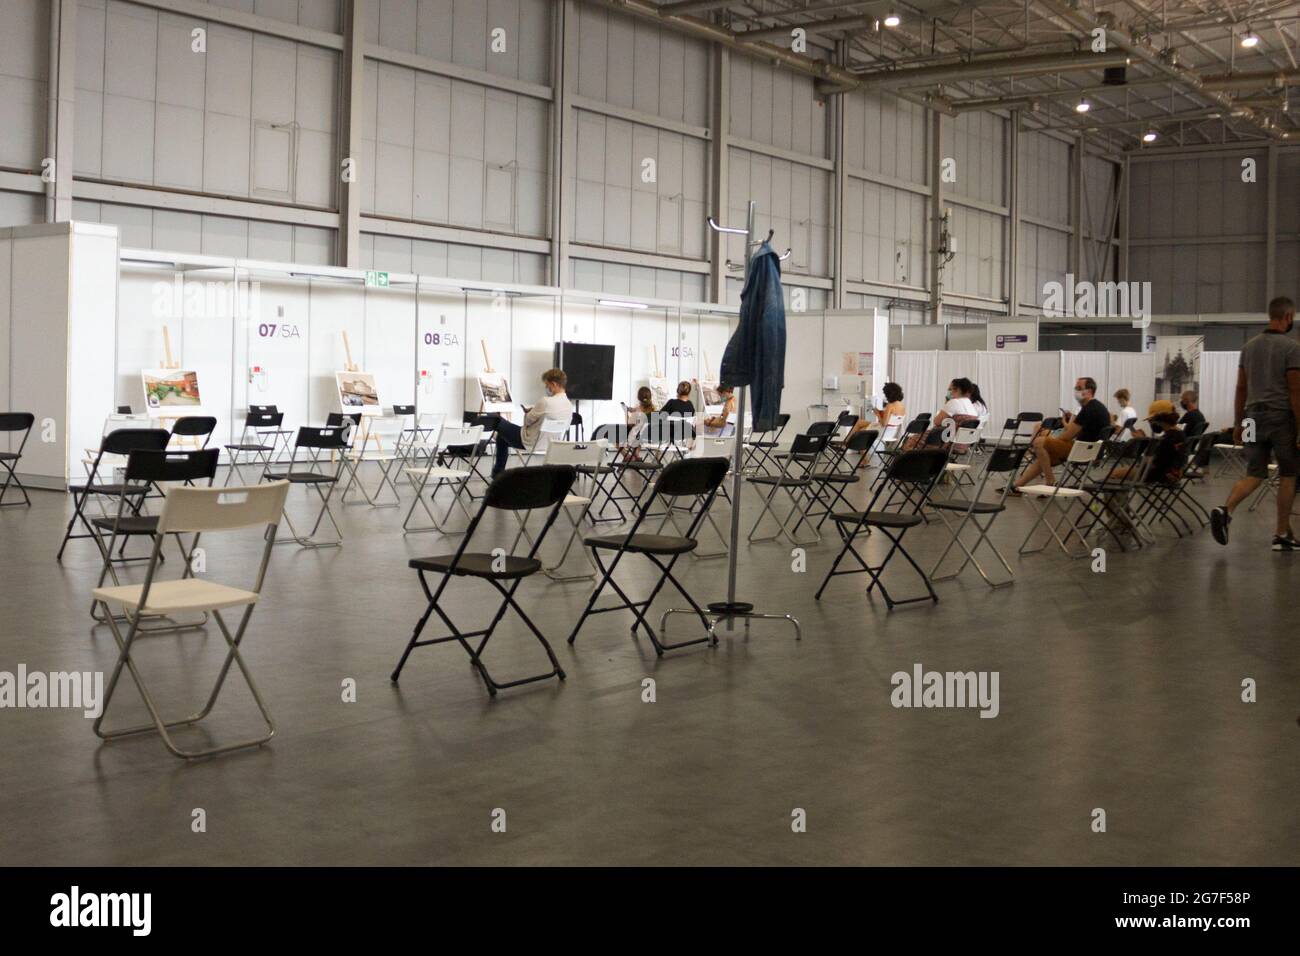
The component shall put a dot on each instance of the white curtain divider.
(999, 382)
(916, 373)
(1040, 382)
(1076, 365)
(1043, 381)
(1218, 383)
(1135, 371)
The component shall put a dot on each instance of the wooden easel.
(363, 430)
(169, 362)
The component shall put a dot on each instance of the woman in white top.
(555, 405)
(964, 403)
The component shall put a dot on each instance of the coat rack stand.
(732, 609)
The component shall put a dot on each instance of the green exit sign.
(379, 279)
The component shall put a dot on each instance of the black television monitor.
(590, 369)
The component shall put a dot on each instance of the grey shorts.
(1275, 437)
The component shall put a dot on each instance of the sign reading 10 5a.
(441, 338)
(278, 330)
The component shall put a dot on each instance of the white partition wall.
(1012, 382)
(1040, 382)
(1218, 387)
(58, 315)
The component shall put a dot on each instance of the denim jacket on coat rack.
(755, 356)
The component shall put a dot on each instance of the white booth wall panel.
(804, 351)
(1135, 371)
(459, 31)
(977, 142)
(1075, 365)
(335, 307)
(40, 347)
(777, 107)
(440, 354)
(884, 234)
(793, 199)
(390, 319)
(286, 360)
(533, 323)
(639, 65)
(254, 116)
(487, 324)
(885, 135)
(207, 346)
(612, 204)
(24, 72)
(447, 151)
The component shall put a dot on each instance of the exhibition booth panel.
(58, 302)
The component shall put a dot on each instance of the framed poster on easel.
(494, 388)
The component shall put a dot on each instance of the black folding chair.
(316, 441)
(528, 488)
(261, 425)
(121, 442)
(795, 478)
(697, 478)
(11, 422)
(979, 515)
(150, 469)
(829, 485)
(1111, 497)
(918, 470)
(759, 445)
(197, 428)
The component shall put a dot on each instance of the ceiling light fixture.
(1082, 106)
(1250, 38)
(892, 19)
(1149, 136)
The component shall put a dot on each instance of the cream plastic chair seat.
(172, 597)
(1052, 490)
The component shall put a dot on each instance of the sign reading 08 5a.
(449, 339)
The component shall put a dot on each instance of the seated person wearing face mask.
(1050, 450)
(1170, 456)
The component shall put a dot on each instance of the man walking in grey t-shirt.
(1266, 411)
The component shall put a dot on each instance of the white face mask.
(1078, 395)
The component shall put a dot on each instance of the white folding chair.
(552, 429)
(451, 445)
(196, 511)
(958, 472)
(1059, 499)
(380, 443)
(587, 459)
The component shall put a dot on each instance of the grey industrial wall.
(1196, 225)
(235, 152)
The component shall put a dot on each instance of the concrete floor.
(1118, 690)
